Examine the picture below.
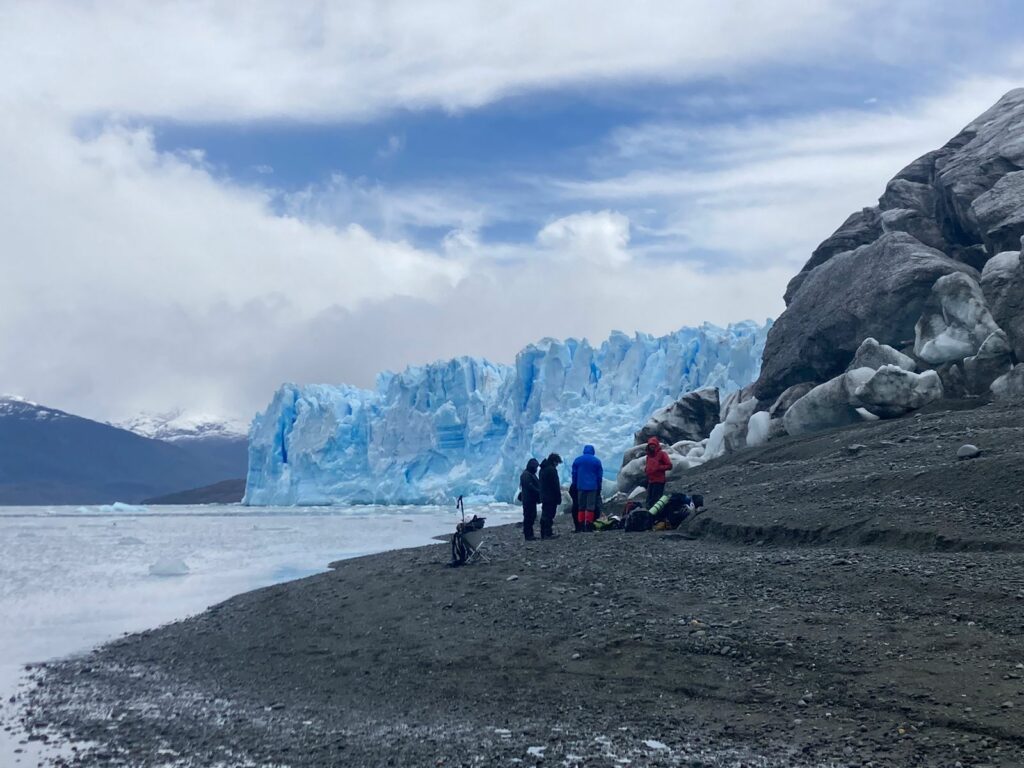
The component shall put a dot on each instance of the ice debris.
(168, 566)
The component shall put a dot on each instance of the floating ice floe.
(120, 506)
(168, 566)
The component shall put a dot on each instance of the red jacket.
(658, 463)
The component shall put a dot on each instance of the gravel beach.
(851, 598)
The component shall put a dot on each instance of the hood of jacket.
(588, 450)
(654, 443)
(531, 466)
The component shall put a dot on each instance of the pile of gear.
(667, 513)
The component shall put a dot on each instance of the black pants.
(548, 510)
(654, 492)
(575, 509)
(529, 518)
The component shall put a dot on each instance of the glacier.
(467, 426)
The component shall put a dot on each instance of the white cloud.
(392, 146)
(315, 60)
(772, 190)
(599, 239)
(138, 274)
(134, 279)
(389, 211)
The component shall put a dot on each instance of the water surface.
(74, 577)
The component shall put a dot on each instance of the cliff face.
(951, 210)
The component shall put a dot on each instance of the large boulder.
(684, 455)
(893, 391)
(829, 405)
(955, 321)
(859, 229)
(730, 435)
(877, 290)
(965, 199)
(691, 417)
(922, 226)
(1002, 281)
(1010, 386)
(784, 401)
(1000, 213)
(994, 358)
(759, 429)
(631, 475)
(871, 354)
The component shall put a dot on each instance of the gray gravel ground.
(837, 605)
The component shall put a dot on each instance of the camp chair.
(474, 540)
(467, 542)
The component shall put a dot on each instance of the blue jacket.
(587, 472)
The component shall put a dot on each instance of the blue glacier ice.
(467, 426)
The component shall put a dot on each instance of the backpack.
(459, 550)
(639, 520)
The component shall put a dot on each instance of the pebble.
(968, 451)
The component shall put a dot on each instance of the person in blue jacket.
(587, 475)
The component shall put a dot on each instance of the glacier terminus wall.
(467, 426)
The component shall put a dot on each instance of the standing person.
(658, 463)
(587, 476)
(529, 493)
(550, 494)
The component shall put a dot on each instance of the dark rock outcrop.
(950, 210)
(1003, 284)
(786, 399)
(992, 360)
(691, 417)
(1010, 386)
(877, 290)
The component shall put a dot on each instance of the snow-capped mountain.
(15, 406)
(467, 426)
(179, 424)
(219, 443)
(48, 456)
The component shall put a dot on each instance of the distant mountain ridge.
(49, 456)
(178, 424)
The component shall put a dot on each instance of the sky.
(203, 200)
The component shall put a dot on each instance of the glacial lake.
(74, 577)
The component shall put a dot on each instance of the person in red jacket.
(658, 463)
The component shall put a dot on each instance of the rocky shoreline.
(853, 597)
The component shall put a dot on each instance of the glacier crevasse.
(467, 426)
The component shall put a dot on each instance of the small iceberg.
(168, 566)
(120, 506)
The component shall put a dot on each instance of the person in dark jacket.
(529, 493)
(658, 463)
(550, 494)
(587, 476)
